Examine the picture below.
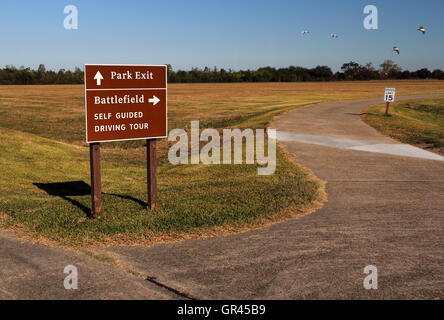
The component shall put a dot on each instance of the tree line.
(349, 71)
(22, 75)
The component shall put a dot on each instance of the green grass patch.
(190, 196)
(417, 122)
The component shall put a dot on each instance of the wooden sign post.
(387, 106)
(96, 179)
(151, 168)
(125, 102)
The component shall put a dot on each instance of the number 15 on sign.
(390, 94)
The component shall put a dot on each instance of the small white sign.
(389, 95)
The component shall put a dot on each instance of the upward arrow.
(98, 77)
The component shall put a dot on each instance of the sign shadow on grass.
(67, 190)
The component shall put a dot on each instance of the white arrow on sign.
(154, 100)
(98, 77)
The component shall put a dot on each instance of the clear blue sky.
(236, 34)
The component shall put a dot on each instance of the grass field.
(417, 122)
(42, 143)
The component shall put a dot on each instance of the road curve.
(383, 210)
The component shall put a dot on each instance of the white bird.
(305, 32)
(334, 35)
(396, 49)
(422, 29)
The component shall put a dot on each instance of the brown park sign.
(125, 102)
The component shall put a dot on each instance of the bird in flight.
(305, 32)
(334, 35)
(422, 29)
(396, 49)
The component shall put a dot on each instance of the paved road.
(383, 210)
(30, 271)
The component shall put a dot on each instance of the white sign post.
(389, 96)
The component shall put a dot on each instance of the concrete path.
(397, 149)
(383, 210)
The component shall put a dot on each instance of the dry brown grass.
(41, 109)
(57, 111)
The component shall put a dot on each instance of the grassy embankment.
(416, 122)
(42, 142)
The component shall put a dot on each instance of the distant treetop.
(350, 71)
